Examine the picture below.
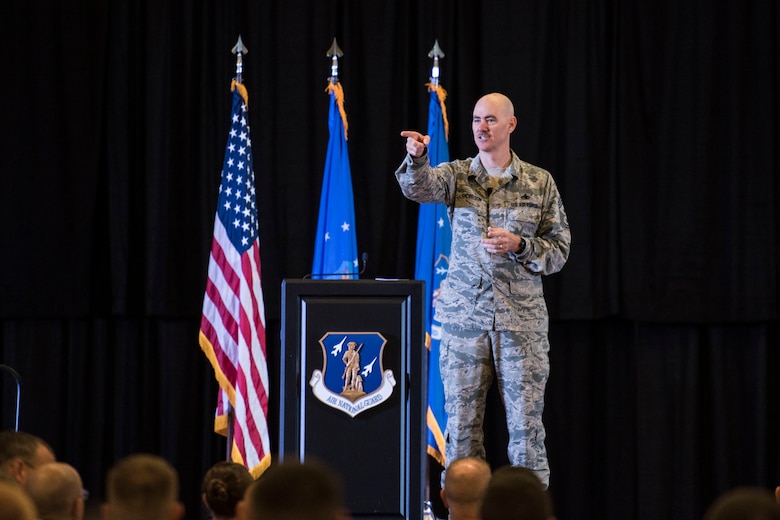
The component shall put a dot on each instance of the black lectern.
(353, 389)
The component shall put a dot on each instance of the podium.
(353, 389)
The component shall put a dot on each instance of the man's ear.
(77, 509)
(443, 496)
(17, 470)
(177, 511)
(241, 510)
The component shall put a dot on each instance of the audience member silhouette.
(465, 480)
(516, 493)
(744, 503)
(294, 491)
(14, 502)
(142, 486)
(57, 492)
(22, 453)
(224, 486)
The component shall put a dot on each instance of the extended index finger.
(417, 136)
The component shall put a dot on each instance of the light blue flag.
(335, 245)
(434, 237)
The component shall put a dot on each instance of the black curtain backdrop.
(659, 120)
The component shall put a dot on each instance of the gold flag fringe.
(241, 90)
(442, 95)
(338, 91)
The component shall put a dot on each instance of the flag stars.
(345, 227)
(237, 206)
(440, 222)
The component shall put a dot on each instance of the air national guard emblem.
(352, 379)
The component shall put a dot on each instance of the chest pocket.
(523, 219)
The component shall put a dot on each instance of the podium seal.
(352, 378)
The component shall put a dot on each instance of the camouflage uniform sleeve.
(422, 183)
(547, 252)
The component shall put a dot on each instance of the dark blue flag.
(335, 245)
(434, 237)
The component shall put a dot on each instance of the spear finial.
(239, 50)
(435, 53)
(334, 53)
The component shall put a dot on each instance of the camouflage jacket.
(486, 291)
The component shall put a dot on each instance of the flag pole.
(239, 49)
(435, 53)
(334, 53)
(434, 237)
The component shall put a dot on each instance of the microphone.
(363, 258)
(18, 379)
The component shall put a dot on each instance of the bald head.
(744, 503)
(465, 481)
(56, 490)
(14, 502)
(499, 102)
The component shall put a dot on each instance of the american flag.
(232, 328)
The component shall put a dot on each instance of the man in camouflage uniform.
(509, 228)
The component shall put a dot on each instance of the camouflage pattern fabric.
(486, 291)
(522, 368)
(492, 306)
